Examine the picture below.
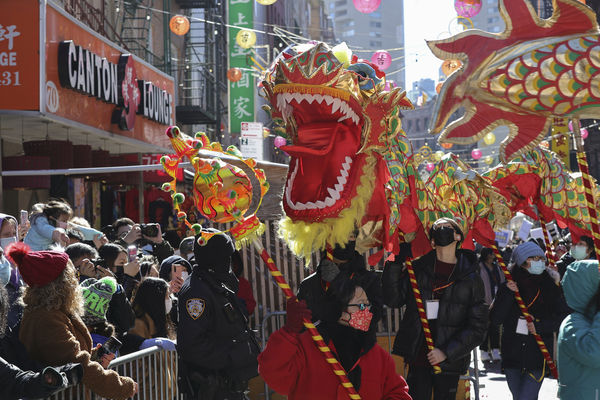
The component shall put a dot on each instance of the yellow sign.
(561, 140)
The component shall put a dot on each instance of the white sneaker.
(485, 356)
(496, 355)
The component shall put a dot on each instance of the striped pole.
(468, 387)
(338, 370)
(549, 249)
(421, 310)
(587, 183)
(525, 313)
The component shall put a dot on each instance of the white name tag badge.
(522, 326)
(432, 308)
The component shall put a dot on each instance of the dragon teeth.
(334, 193)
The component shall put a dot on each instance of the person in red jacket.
(292, 365)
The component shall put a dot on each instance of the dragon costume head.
(338, 118)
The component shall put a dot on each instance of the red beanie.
(38, 268)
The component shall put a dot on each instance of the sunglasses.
(361, 306)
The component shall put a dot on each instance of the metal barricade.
(154, 370)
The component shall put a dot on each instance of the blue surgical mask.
(5, 242)
(579, 252)
(536, 267)
(5, 270)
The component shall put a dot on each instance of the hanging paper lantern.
(245, 38)
(446, 146)
(489, 139)
(449, 66)
(476, 154)
(584, 133)
(234, 74)
(266, 2)
(430, 167)
(366, 6)
(382, 59)
(179, 25)
(488, 160)
(467, 8)
(279, 141)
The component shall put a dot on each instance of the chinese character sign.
(241, 93)
(560, 140)
(19, 55)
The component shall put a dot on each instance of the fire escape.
(201, 75)
(203, 85)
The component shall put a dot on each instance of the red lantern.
(234, 74)
(179, 25)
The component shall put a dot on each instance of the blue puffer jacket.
(579, 335)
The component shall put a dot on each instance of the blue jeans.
(522, 385)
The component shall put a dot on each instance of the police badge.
(195, 308)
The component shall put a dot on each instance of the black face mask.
(443, 236)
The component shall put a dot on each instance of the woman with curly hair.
(51, 329)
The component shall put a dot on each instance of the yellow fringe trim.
(303, 238)
(247, 238)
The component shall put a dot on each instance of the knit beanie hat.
(38, 268)
(214, 253)
(97, 295)
(526, 250)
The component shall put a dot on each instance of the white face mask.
(168, 305)
(5, 242)
(184, 275)
(5, 270)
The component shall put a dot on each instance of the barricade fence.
(154, 370)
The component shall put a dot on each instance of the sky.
(425, 19)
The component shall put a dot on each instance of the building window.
(375, 14)
(341, 12)
(375, 43)
(348, 33)
(375, 34)
(375, 24)
(341, 3)
(496, 29)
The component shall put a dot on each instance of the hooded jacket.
(462, 318)
(579, 335)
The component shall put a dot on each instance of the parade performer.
(293, 366)
(522, 360)
(450, 285)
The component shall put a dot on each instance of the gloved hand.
(163, 343)
(296, 312)
(73, 372)
(329, 270)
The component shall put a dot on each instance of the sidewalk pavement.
(496, 388)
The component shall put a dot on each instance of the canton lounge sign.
(86, 72)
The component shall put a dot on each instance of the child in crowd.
(48, 225)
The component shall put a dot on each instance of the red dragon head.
(336, 115)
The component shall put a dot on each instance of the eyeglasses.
(361, 306)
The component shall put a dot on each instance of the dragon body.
(534, 71)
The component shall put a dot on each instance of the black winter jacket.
(312, 289)
(462, 317)
(212, 335)
(16, 383)
(521, 351)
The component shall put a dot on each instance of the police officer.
(217, 352)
